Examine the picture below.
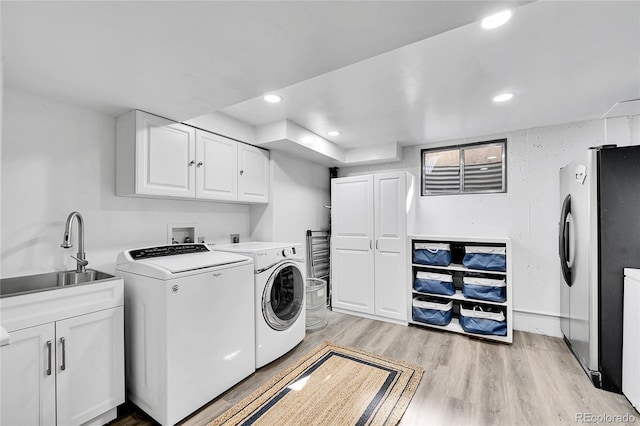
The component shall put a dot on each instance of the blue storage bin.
(436, 254)
(477, 321)
(485, 258)
(430, 312)
(484, 289)
(432, 282)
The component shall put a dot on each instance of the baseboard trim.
(537, 322)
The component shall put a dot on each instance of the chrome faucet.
(66, 241)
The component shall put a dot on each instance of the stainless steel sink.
(49, 281)
(73, 277)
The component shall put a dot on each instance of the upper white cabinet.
(156, 157)
(253, 168)
(217, 167)
(369, 234)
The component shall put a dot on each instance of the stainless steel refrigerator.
(599, 236)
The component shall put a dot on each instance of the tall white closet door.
(352, 243)
(390, 245)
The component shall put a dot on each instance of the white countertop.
(632, 273)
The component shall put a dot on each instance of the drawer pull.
(63, 365)
(49, 357)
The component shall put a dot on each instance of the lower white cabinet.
(28, 383)
(90, 348)
(64, 372)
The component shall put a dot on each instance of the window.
(465, 169)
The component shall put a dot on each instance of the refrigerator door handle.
(566, 262)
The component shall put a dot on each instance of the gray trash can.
(316, 305)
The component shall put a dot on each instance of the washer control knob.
(286, 252)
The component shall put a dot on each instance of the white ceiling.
(382, 72)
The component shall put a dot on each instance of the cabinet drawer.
(29, 310)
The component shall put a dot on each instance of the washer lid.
(189, 262)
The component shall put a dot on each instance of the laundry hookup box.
(494, 290)
(434, 283)
(483, 320)
(431, 311)
(435, 254)
(485, 258)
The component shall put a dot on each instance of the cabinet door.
(90, 365)
(390, 213)
(253, 174)
(28, 385)
(352, 268)
(165, 157)
(216, 167)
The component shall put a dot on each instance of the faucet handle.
(81, 262)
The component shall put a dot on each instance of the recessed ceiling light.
(333, 133)
(274, 99)
(496, 20)
(493, 157)
(503, 97)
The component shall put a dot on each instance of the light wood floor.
(467, 381)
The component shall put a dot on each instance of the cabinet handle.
(377, 245)
(199, 164)
(49, 355)
(241, 172)
(63, 365)
(191, 163)
(370, 244)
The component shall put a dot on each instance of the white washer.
(189, 326)
(279, 296)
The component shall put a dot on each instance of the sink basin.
(49, 281)
(73, 277)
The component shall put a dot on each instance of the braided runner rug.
(331, 385)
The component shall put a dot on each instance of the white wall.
(300, 190)
(222, 124)
(1, 118)
(57, 158)
(527, 213)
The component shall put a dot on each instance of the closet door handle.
(199, 164)
(370, 244)
(63, 365)
(191, 163)
(49, 356)
(377, 245)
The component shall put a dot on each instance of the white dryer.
(189, 327)
(279, 296)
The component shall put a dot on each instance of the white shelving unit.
(459, 270)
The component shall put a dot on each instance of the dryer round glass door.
(283, 297)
